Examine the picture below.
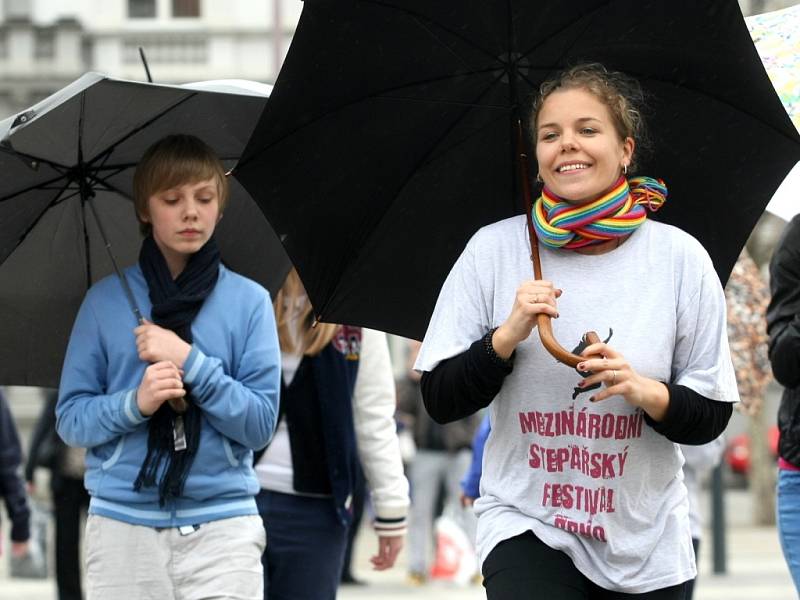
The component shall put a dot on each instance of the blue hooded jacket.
(234, 373)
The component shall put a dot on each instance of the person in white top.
(337, 409)
(582, 494)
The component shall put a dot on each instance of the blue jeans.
(789, 520)
(306, 542)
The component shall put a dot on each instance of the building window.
(185, 8)
(45, 47)
(3, 44)
(141, 9)
(17, 9)
(167, 49)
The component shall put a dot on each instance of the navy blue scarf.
(175, 305)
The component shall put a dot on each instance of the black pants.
(690, 583)
(70, 499)
(525, 568)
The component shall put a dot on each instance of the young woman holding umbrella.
(582, 493)
(171, 410)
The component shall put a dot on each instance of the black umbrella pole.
(125, 286)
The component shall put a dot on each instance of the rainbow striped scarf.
(617, 213)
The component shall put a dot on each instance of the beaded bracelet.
(493, 356)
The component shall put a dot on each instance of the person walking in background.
(172, 516)
(70, 498)
(359, 499)
(471, 481)
(442, 454)
(700, 461)
(12, 488)
(783, 327)
(337, 406)
(581, 494)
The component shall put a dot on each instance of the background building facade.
(45, 44)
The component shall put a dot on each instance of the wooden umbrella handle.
(179, 405)
(550, 344)
(543, 320)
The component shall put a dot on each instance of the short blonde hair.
(172, 161)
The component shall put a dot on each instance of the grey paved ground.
(755, 570)
(755, 566)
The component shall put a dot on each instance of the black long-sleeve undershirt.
(462, 385)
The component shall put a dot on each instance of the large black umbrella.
(73, 154)
(390, 135)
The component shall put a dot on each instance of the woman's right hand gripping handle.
(533, 297)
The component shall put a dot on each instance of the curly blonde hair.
(620, 93)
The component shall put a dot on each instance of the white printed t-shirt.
(590, 479)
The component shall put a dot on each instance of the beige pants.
(222, 559)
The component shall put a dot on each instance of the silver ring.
(614, 380)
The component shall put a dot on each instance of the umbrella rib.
(36, 187)
(718, 100)
(641, 76)
(110, 186)
(16, 154)
(106, 152)
(119, 167)
(383, 95)
(422, 161)
(575, 38)
(56, 199)
(419, 18)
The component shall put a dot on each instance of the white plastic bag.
(455, 555)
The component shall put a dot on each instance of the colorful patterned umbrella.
(777, 38)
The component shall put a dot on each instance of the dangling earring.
(539, 177)
(624, 169)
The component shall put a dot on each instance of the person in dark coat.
(70, 498)
(783, 327)
(442, 455)
(12, 488)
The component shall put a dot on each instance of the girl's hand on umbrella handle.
(161, 381)
(618, 378)
(532, 298)
(154, 344)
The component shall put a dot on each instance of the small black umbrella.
(72, 157)
(390, 136)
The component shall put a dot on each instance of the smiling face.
(183, 219)
(579, 150)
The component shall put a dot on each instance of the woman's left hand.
(388, 549)
(156, 344)
(609, 367)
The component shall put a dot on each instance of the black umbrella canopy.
(389, 138)
(88, 137)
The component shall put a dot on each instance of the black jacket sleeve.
(11, 486)
(783, 314)
(691, 418)
(45, 428)
(462, 385)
